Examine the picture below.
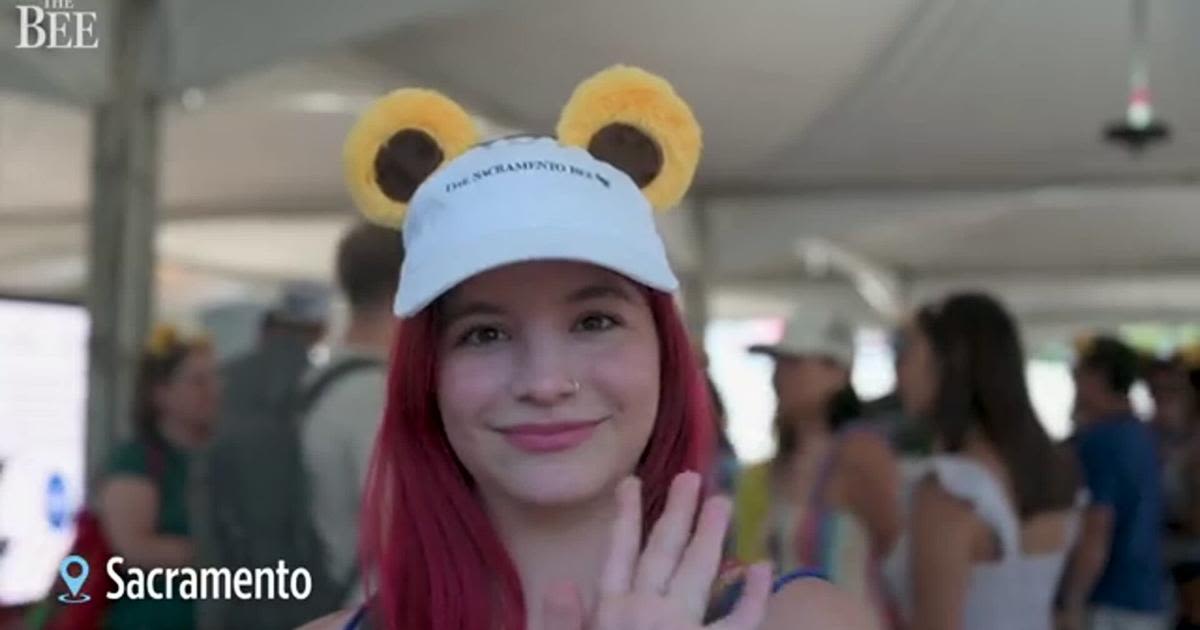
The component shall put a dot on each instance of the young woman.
(991, 524)
(143, 505)
(545, 413)
(829, 500)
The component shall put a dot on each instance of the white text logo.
(208, 583)
(56, 25)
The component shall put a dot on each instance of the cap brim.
(775, 351)
(778, 350)
(420, 287)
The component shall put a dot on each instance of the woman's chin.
(556, 483)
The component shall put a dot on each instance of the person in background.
(990, 522)
(1175, 405)
(727, 465)
(726, 468)
(143, 500)
(302, 313)
(261, 380)
(1176, 419)
(828, 500)
(1116, 578)
(260, 388)
(911, 437)
(1187, 570)
(344, 413)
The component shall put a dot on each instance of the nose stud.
(575, 386)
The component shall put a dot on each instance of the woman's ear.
(636, 122)
(397, 144)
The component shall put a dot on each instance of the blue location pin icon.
(73, 582)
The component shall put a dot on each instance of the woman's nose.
(543, 374)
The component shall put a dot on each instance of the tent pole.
(124, 204)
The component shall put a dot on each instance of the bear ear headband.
(624, 116)
(165, 339)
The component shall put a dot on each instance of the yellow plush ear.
(635, 121)
(162, 338)
(397, 144)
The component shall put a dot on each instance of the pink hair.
(428, 551)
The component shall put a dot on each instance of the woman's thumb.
(562, 607)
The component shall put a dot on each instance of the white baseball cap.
(814, 334)
(522, 199)
(626, 145)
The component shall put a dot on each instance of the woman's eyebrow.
(454, 313)
(595, 291)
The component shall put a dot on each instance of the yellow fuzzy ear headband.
(399, 142)
(165, 339)
(625, 116)
(635, 121)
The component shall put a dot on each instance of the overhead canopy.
(916, 145)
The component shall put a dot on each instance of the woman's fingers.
(669, 536)
(693, 578)
(626, 539)
(751, 609)
(563, 607)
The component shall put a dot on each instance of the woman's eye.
(597, 322)
(481, 335)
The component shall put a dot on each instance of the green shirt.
(136, 458)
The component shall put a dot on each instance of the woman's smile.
(549, 437)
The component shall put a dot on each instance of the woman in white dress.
(992, 520)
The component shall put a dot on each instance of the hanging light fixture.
(1139, 128)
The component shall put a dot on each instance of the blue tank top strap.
(792, 576)
(728, 597)
(355, 622)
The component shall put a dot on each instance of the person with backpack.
(248, 476)
(345, 406)
(143, 507)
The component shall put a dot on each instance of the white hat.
(521, 199)
(626, 145)
(814, 334)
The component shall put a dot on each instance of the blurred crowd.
(947, 504)
(943, 505)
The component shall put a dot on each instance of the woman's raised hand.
(667, 585)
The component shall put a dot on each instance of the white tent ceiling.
(936, 143)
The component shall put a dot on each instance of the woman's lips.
(549, 437)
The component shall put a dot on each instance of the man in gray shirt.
(340, 427)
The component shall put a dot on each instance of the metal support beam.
(126, 136)
(878, 286)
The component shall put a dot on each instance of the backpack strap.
(329, 376)
(308, 398)
(359, 620)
